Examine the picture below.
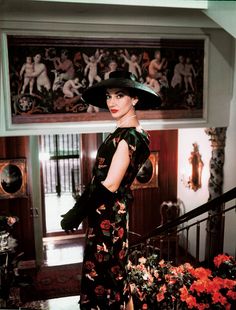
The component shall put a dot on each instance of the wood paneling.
(18, 147)
(145, 211)
(89, 144)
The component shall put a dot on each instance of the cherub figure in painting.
(132, 61)
(152, 83)
(112, 66)
(26, 70)
(71, 88)
(92, 71)
(91, 67)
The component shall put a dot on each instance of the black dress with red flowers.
(104, 276)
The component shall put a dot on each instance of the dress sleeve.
(132, 141)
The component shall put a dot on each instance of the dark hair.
(132, 92)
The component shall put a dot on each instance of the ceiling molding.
(223, 13)
(191, 4)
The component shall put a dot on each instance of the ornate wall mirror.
(12, 178)
(195, 179)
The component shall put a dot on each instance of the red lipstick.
(113, 110)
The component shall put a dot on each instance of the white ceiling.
(145, 12)
(182, 13)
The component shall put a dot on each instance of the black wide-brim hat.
(96, 94)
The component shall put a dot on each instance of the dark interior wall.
(89, 144)
(15, 148)
(145, 211)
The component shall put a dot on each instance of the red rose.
(99, 257)
(89, 265)
(105, 225)
(122, 254)
(117, 296)
(99, 290)
(121, 232)
(221, 258)
(115, 269)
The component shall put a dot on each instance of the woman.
(107, 199)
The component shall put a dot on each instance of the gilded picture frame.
(147, 176)
(13, 176)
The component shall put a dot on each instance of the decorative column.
(214, 240)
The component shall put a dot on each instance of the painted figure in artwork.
(26, 70)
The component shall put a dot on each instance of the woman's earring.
(135, 102)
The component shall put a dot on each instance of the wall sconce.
(193, 179)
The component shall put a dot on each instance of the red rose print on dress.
(105, 226)
(99, 290)
(101, 162)
(121, 232)
(89, 265)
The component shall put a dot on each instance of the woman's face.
(119, 103)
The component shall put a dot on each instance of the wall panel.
(145, 212)
(18, 147)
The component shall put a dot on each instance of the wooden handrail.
(210, 205)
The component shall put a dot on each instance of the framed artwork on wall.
(147, 176)
(48, 75)
(13, 178)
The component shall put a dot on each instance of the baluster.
(186, 246)
(148, 248)
(222, 225)
(161, 247)
(197, 241)
(136, 255)
(168, 246)
(208, 250)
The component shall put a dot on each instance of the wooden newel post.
(214, 238)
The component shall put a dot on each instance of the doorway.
(61, 178)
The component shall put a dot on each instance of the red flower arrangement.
(160, 285)
(222, 259)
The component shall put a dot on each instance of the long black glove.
(92, 198)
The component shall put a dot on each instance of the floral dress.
(104, 276)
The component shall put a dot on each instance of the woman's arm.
(119, 165)
(102, 193)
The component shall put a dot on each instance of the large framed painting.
(48, 75)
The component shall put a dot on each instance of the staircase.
(171, 241)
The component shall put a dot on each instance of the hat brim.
(96, 94)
